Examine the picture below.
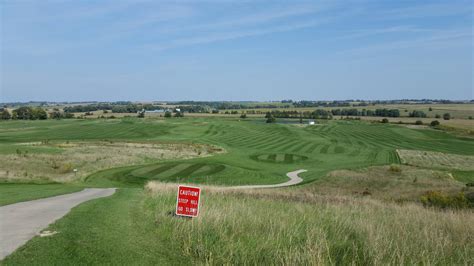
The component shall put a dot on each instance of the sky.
(235, 50)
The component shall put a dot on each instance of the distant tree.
(419, 122)
(270, 118)
(40, 113)
(234, 112)
(68, 115)
(416, 113)
(105, 111)
(55, 115)
(23, 113)
(470, 117)
(141, 114)
(167, 114)
(215, 111)
(437, 116)
(243, 115)
(5, 115)
(179, 114)
(430, 109)
(385, 120)
(434, 123)
(446, 116)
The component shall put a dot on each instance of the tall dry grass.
(286, 226)
(90, 157)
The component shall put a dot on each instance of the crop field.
(354, 174)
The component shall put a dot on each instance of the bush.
(442, 200)
(243, 116)
(5, 115)
(270, 119)
(446, 116)
(419, 122)
(437, 116)
(395, 168)
(434, 123)
(385, 120)
(167, 114)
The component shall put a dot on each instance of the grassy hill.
(351, 209)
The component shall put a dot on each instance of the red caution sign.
(187, 203)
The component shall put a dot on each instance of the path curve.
(294, 179)
(19, 222)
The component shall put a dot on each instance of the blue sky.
(235, 50)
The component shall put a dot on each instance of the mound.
(278, 158)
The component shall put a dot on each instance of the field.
(343, 213)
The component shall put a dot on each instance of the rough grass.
(406, 183)
(437, 160)
(290, 227)
(88, 157)
(264, 227)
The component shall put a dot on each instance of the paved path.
(294, 179)
(21, 221)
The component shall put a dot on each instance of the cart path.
(19, 222)
(294, 179)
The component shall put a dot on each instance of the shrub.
(167, 114)
(419, 122)
(446, 116)
(395, 168)
(434, 123)
(470, 117)
(5, 115)
(243, 116)
(437, 116)
(442, 200)
(385, 120)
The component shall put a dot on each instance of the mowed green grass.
(17, 192)
(257, 153)
(269, 227)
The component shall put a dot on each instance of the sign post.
(187, 202)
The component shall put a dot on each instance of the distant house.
(177, 110)
(311, 122)
(155, 111)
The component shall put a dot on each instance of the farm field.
(354, 170)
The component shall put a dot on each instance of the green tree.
(39, 113)
(55, 115)
(434, 123)
(5, 115)
(167, 114)
(270, 118)
(23, 113)
(446, 116)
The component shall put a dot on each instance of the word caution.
(187, 203)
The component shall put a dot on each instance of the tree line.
(32, 113)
